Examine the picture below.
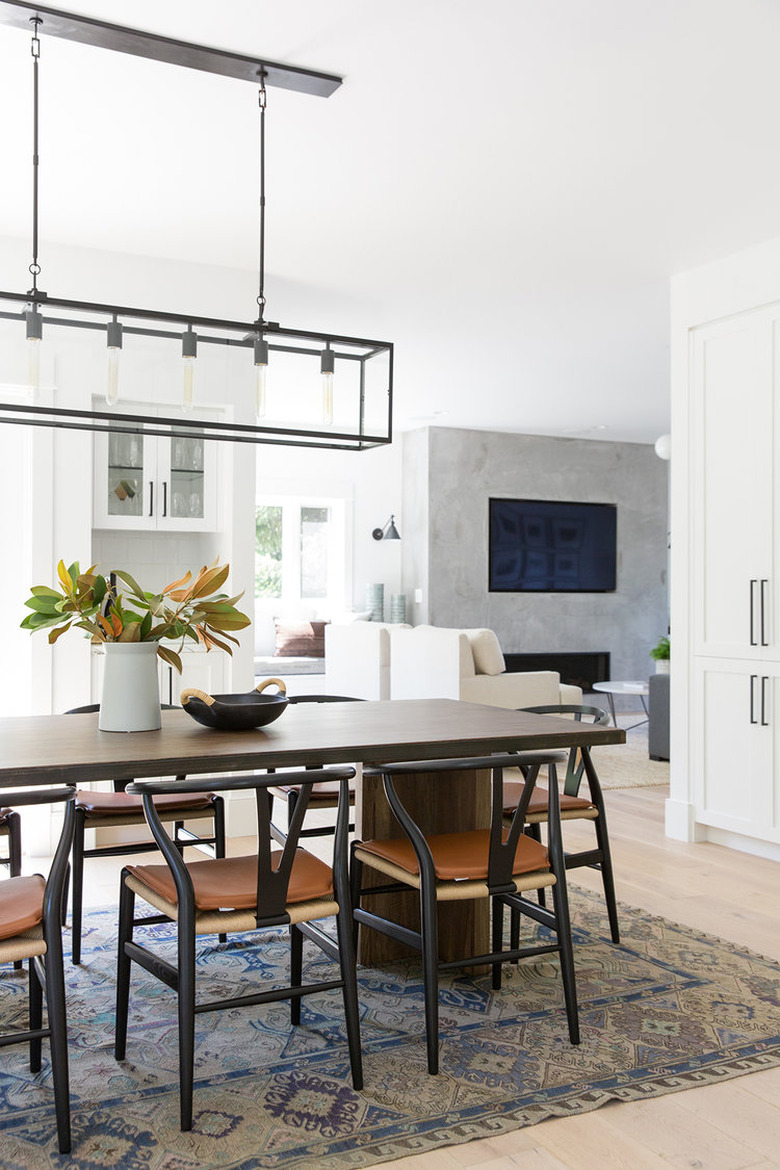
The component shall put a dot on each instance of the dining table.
(50, 749)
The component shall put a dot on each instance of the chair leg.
(563, 930)
(607, 875)
(429, 928)
(355, 885)
(296, 971)
(497, 908)
(219, 837)
(36, 1015)
(77, 855)
(186, 1010)
(58, 1040)
(350, 997)
(125, 934)
(15, 844)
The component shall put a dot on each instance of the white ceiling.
(503, 189)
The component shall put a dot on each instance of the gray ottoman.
(658, 709)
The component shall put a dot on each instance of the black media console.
(580, 670)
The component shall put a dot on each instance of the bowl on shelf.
(235, 712)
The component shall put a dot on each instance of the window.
(300, 551)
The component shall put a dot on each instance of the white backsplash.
(155, 558)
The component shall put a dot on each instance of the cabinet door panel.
(733, 504)
(734, 746)
(125, 469)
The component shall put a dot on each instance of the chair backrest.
(274, 866)
(92, 709)
(503, 842)
(55, 881)
(579, 761)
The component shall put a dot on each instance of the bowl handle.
(193, 693)
(267, 682)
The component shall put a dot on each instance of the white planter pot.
(662, 665)
(131, 688)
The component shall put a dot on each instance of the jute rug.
(667, 1010)
(627, 765)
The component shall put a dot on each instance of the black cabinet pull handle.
(165, 501)
(764, 681)
(764, 583)
(151, 497)
(753, 583)
(753, 678)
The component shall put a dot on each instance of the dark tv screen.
(547, 546)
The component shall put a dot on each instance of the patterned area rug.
(666, 1010)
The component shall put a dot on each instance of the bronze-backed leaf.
(214, 641)
(130, 632)
(169, 656)
(55, 634)
(185, 580)
(209, 581)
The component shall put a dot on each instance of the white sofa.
(357, 660)
(430, 662)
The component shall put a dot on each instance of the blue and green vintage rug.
(669, 1009)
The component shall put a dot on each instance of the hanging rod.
(87, 30)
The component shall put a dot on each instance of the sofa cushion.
(486, 649)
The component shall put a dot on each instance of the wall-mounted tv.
(549, 546)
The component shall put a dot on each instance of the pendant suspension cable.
(35, 48)
(262, 101)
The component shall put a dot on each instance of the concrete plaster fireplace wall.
(448, 477)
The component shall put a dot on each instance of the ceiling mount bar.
(89, 31)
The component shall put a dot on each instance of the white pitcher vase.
(131, 689)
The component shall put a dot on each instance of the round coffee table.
(613, 688)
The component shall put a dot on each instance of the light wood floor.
(728, 1126)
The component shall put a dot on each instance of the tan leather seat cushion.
(325, 790)
(459, 855)
(117, 803)
(230, 883)
(538, 802)
(21, 904)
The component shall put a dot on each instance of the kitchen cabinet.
(153, 483)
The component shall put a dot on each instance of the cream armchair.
(429, 662)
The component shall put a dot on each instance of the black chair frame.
(502, 889)
(270, 911)
(290, 798)
(46, 972)
(11, 827)
(580, 765)
(181, 836)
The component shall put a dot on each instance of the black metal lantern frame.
(366, 366)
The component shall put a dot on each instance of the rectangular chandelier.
(334, 390)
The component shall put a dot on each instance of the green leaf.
(146, 626)
(43, 604)
(45, 591)
(135, 588)
(99, 589)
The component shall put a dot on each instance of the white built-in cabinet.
(154, 482)
(734, 599)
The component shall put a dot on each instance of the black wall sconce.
(389, 532)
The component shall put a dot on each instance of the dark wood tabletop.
(44, 749)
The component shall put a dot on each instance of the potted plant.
(661, 653)
(134, 627)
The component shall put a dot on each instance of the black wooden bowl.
(233, 712)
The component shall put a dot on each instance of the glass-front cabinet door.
(187, 476)
(154, 482)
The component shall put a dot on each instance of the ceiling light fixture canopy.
(356, 373)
